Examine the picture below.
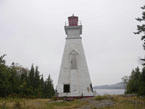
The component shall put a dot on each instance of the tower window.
(73, 60)
(66, 88)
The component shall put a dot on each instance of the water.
(109, 91)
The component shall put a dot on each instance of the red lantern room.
(73, 20)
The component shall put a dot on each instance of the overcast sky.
(32, 32)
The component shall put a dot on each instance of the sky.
(32, 32)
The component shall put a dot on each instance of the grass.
(121, 102)
(17, 103)
(3, 105)
(101, 97)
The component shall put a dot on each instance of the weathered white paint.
(78, 78)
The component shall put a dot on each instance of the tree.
(133, 84)
(31, 78)
(125, 80)
(51, 91)
(41, 87)
(9, 81)
(48, 90)
(24, 82)
(36, 78)
(2, 61)
(21, 82)
(142, 83)
(3, 80)
(141, 28)
(37, 83)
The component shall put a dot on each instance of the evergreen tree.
(134, 82)
(31, 79)
(37, 83)
(141, 28)
(36, 78)
(129, 86)
(18, 81)
(136, 78)
(9, 82)
(24, 83)
(14, 81)
(41, 86)
(48, 90)
(51, 90)
(42, 81)
(142, 83)
(6, 87)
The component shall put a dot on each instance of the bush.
(101, 97)
(114, 98)
(54, 98)
(17, 105)
(3, 105)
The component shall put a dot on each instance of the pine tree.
(48, 90)
(136, 78)
(41, 87)
(14, 81)
(18, 81)
(9, 82)
(133, 84)
(24, 83)
(141, 28)
(51, 90)
(142, 83)
(42, 81)
(31, 81)
(36, 82)
(2, 76)
(36, 78)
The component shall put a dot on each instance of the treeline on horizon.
(16, 81)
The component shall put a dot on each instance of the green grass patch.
(101, 97)
(121, 102)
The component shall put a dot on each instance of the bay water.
(109, 91)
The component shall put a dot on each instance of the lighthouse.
(74, 79)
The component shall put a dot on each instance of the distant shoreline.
(108, 88)
(119, 85)
(109, 91)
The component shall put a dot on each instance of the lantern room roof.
(72, 16)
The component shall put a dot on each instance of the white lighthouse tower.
(74, 79)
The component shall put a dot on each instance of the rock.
(52, 102)
(95, 104)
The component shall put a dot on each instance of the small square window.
(66, 88)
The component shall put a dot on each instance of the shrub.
(54, 98)
(114, 98)
(17, 105)
(101, 97)
(3, 105)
